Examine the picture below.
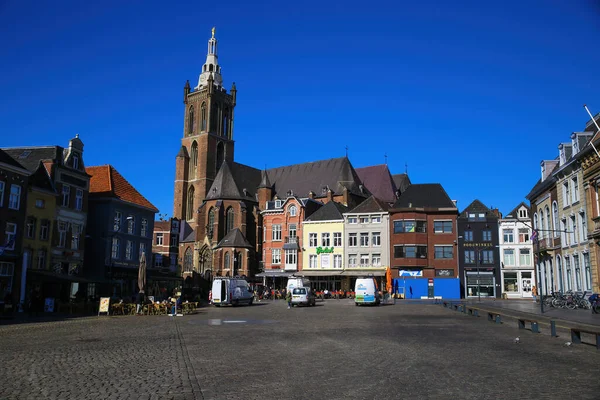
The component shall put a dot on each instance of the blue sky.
(468, 94)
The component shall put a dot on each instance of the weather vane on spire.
(213, 31)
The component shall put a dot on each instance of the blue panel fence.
(446, 288)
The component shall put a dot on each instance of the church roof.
(401, 181)
(234, 238)
(264, 181)
(235, 181)
(106, 181)
(378, 180)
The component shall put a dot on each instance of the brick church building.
(219, 201)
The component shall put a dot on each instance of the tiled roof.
(234, 238)
(29, 157)
(478, 207)
(107, 181)
(369, 205)
(379, 181)
(329, 212)
(430, 195)
(401, 181)
(515, 211)
(162, 225)
(5, 158)
(231, 180)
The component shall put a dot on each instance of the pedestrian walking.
(288, 297)
(139, 301)
(534, 293)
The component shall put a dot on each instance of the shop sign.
(444, 272)
(410, 272)
(104, 303)
(324, 250)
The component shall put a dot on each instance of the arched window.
(203, 117)
(225, 125)
(190, 204)
(188, 261)
(555, 219)
(193, 161)
(210, 67)
(292, 210)
(229, 220)
(191, 121)
(211, 222)
(547, 227)
(559, 273)
(220, 155)
(541, 224)
(227, 261)
(535, 221)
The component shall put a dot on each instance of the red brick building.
(423, 233)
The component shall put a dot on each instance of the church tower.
(207, 136)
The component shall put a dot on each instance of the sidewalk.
(529, 307)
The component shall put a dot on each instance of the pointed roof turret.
(211, 67)
(264, 181)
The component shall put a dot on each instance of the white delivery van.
(232, 291)
(297, 282)
(365, 292)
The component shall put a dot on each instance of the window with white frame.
(352, 260)
(66, 195)
(352, 240)
(115, 248)
(15, 197)
(524, 257)
(278, 203)
(130, 224)
(11, 235)
(523, 235)
(75, 236)
(30, 228)
(468, 236)
(292, 231)
(555, 219)
(575, 190)
(276, 256)
(577, 271)
(352, 220)
(337, 239)
(442, 226)
(337, 261)
(582, 227)
(569, 281)
(508, 236)
(75, 161)
(509, 257)
(159, 239)
(566, 193)
(291, 256)
(312, 240)
(144, 227)
(486, 236)
(41, 259)
(117, 221)
(158, 260)
(325, 242)
(364, 240)
(375, 219)
(293, 210)
(364, 260)
(523, 213)
(363, 219)
(44, 229)
(587, 271)
(376, 239)
(129, 250)
(79, 199)
(376, 260)
(312, 261)
(573, 229)
(2, 186)
(276, 234)
(62, 234)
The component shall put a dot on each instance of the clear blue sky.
(468, 94)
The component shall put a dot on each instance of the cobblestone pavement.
(334, 350)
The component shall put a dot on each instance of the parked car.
(304, 296)
(232, 291)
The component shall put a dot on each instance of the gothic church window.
(191, 121)
(190, 204)
(227, 261)
(193, 161)
(188, 261)
(229, 220)
(203, 117)
(225, 124)
(211, 221)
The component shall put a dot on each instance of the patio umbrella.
(388, 279)
(142, 272)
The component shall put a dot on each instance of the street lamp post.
(477, 265)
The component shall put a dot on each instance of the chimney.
(455, 203)
(329, 195)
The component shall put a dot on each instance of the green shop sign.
(324, 250)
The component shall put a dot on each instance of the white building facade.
(516, 250)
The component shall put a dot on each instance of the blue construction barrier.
(446, 288)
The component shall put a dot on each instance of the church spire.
(211, 66)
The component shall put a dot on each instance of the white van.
(232, 291)
(297, 282)
(366, 292)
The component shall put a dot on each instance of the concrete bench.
(493, 316)
(576, 336)
(534, 324)
(473, 311)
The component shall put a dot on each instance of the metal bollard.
(553, 329)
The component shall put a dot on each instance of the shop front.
(480, 283)
(341, 280)
(275, 278)
(517, 283)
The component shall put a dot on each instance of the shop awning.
(276, 274)
(363, 272)
(337, 272)
(318, 272)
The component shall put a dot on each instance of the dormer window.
(277, 203)
(293, 210)
(324, 190)
(75, 161)
(563, 158)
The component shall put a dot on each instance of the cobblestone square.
(334, 350)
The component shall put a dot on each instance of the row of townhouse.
(52, 208)
(564, 206)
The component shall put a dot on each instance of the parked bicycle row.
(570, 300)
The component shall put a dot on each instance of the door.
(224, 291)
(526, 284)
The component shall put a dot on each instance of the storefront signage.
(409, 272)
(473, 244)
(444, 272)
(324, 250)
(325, 261)
(104, 303)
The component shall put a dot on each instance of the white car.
(304, 296)
(232, 291)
